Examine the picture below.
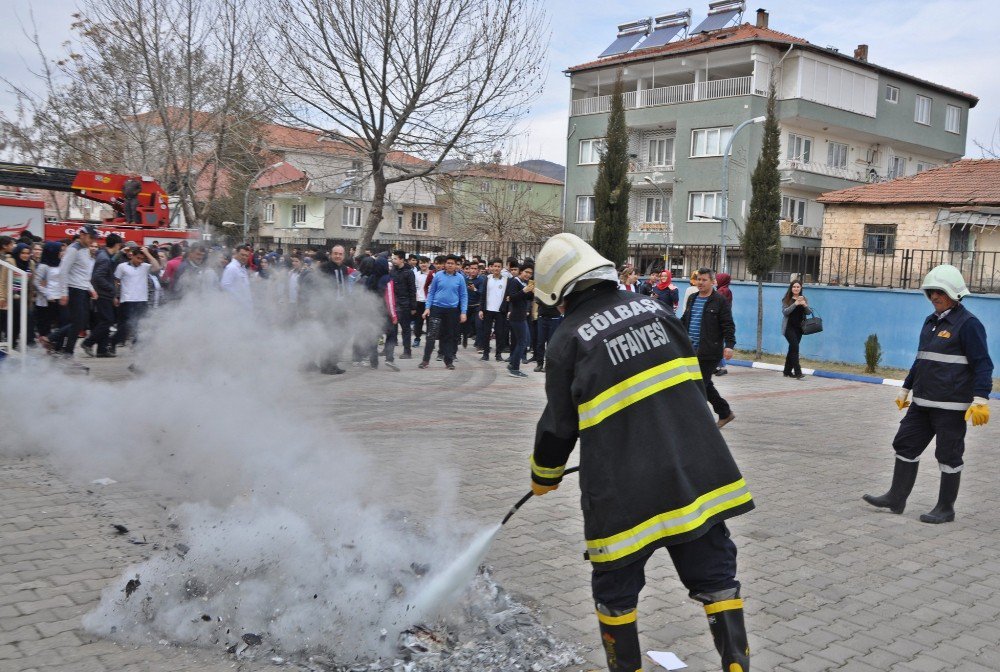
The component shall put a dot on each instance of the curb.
(857, 378)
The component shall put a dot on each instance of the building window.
(922, 111)
(484, 186)
(836, 155)
(897, 167)
(591, 150)
(958, 239)
(891, 93)
(799, 148)
(351, 216)
(299, 214)
(399, 221)
(923, 165)
(661, 152)
(704, 204)
(710, 141)
(654, 209)
(418, 221)
(482, 208)
(269, 212)
(880, 239)
(513, 187)
(584, 208)
(356, 166)
(953, 119)
(793, 210)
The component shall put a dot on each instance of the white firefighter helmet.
(564, 262)
(948, 279)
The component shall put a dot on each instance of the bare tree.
(160, 87)
(991, 150)
(429, 78)
(493, 201)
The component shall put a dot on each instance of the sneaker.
(332, 370)
(416, 342)
(391, 366)
(450, 367)
(721, 371)
(88, 349)
(439, 359)
(46, 343)
(406, 355)
(423, 365)
(725, 421)
(113, 349)
(540, 368)
(105, 354)
(485, 358)
(515, 373)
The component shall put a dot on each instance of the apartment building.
(844, 121)
(320, 189)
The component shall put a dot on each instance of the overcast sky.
(949, 42)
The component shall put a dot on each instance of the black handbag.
(812, 324)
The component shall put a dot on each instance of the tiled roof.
(281, 173)
(742, 33)
(279, 136)
(505, 172)
(968, 182)
(745, 33)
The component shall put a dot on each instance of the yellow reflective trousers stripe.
(725, 605)
(669, 524)
(637, 388)
(624, 619)
(546, 472)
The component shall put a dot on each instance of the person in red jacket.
(722, 281)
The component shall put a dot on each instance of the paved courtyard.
(829, 583)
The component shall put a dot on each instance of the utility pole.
(725, 185)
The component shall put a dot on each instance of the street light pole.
(725, 185)
(246, 198)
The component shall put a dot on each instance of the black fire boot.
(620, 638)
(724, 609)
(904, 475)
(943, 511)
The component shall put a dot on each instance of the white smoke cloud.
(285, 533)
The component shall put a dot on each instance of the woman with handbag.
(794, 308)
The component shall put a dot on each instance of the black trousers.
(546, 328)
(468, 329)
(447, 336)
(131, 312)
(132, 211)
(495, 322)
(76, 318)
(418, 319)
(719, 405)
(101, 333)
(792, 366)
(47, 318)
(921, 424)
(704, 565)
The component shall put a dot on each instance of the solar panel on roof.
(629, 35)
(622, 44)
(716, 21)
(661, 36)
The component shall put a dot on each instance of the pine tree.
(611, 191)
(761, 239)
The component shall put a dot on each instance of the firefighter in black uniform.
(951, 379)
(654, 470)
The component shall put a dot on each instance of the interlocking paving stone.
(829, 583)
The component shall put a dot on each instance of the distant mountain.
(546, 168)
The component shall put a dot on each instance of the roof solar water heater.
(629, 35)
(716, 21)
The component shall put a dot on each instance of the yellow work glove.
(903, 398)
(979, 412)
(538, 489)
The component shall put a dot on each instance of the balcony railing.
(668, 95)
(635, 166)
(851, 174)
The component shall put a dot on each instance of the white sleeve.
(120, 270)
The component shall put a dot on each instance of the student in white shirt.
(236, 278)
(133, 292)
(493, 309)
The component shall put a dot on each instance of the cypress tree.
(611, 191)
(761, 239)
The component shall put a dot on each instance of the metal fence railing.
(848, 266)
(14, 324)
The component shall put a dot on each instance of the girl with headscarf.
(665, 291)
(24, 290)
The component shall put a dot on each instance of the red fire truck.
(21, 210)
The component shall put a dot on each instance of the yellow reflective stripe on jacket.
(668, 524)
(624, 619)
(637, 388)
(725, 605)
(546, 472)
